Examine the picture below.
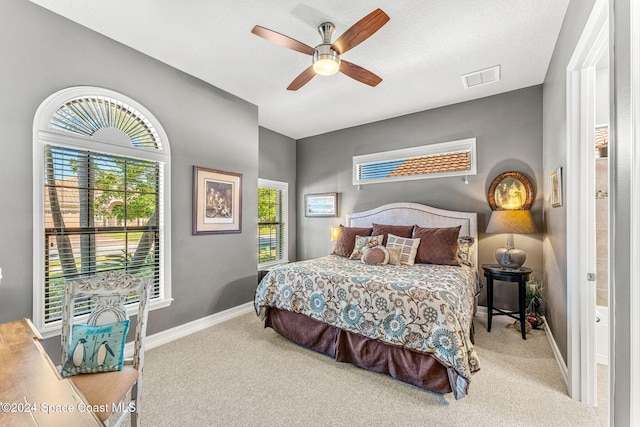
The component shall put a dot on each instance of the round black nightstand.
(496, 272)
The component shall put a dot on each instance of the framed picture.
(556, 188)
(321, 205)
(217, 201)
(511, 190)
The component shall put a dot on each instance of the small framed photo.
(556, 188)
(321, 205)
(217, 201)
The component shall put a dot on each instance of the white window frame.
(43, 135)
(284, 187)
(448, 147)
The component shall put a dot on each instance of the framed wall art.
(321, 205)
(511, 190)
(217, 201)
(556, 188)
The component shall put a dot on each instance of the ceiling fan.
(326, 56)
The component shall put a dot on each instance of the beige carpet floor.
(239, 374)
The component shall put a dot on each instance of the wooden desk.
(32, 392)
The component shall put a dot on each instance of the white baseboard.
(173, 334)
(564, 371)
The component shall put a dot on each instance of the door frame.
(580, 204)
(634, 219)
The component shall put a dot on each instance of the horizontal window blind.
(271, 225)
(101, 213)
(427, 161)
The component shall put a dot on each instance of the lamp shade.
(511, 221)
(335, 233)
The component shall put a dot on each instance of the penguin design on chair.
(77, 356)
(101, 353)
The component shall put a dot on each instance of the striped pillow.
(408, 248)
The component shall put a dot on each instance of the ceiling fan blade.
(360, 31)
(358, 73)
(302, 79)
(282, 40)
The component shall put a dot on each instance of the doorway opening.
(602, 235)
(582, 127)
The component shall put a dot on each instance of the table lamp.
(335, 232)
(517, 221)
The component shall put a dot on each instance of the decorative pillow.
(362, 242)
(408, 248)
(95, 349)
(375, 255)
(398, 230)
(464, 249)
(394, 256)
(347, 239)
(437, 245)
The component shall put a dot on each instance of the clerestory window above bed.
(452, 158)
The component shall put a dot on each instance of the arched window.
(101, 167)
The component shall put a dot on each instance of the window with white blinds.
(101, 192)
(100, 215)
(272, 222)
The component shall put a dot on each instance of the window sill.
(268, 265)
(53, 329)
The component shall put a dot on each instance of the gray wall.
(555, 154)
(43, 53)
(278, 163)
(508, 128)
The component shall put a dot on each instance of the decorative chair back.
(108, 292)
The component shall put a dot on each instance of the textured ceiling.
(420, 53)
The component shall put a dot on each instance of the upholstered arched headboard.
(422, 215)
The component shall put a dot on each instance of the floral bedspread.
(427, 308)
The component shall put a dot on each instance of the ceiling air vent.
(481, 77)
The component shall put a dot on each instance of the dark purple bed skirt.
(419, 369)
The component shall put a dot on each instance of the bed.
(413, 322)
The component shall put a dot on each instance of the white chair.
(108, 293)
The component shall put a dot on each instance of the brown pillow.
(375, 256)
(398, 230)
(437, 245)
(347, 239)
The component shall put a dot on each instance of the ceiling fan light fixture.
(326, 61)
(326, 56)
